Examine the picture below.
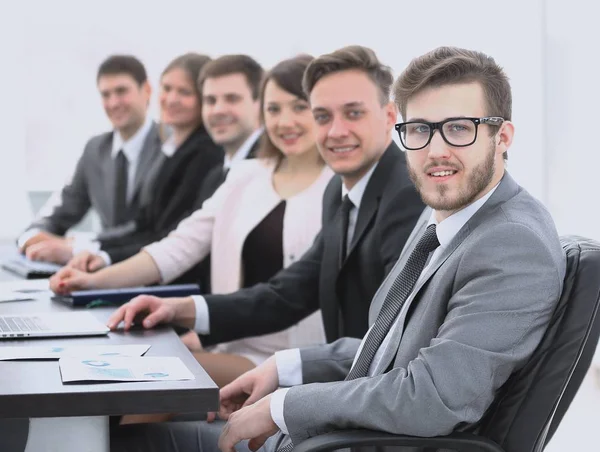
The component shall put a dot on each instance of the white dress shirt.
(243, 151)
(289, 364)
(132, 148)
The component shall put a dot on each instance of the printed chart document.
(123, 369)
(57, 352)
(24, 290)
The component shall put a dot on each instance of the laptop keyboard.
(16, 324)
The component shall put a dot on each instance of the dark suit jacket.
(93, 185)
(388, 212)
(171, 198)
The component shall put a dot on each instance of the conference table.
(75, 417)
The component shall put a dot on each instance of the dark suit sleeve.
(288, 297)
(403, 212)
(74, 203)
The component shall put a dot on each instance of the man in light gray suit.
(464, 307)
(112, 169)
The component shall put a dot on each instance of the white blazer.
(246, 197)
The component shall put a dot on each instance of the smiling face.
(288, 121)
(179, 104)
(229, 111)
(450, 178)
(125, 101)
(353, 128)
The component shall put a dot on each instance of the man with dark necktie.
(464, 307)
(230, 87)
(111, 172)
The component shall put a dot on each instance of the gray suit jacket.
(477, 316)
(93, 185)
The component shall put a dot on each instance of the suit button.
(292, 257)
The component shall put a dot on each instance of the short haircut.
(451, 66)
(123, 64)
(234, 64)
(351, 58)
(288, 76)
(192, 64)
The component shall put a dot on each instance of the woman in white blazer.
(264, 216)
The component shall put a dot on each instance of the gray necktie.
(392, 304)
(121, 175)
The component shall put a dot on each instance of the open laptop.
(50, 325)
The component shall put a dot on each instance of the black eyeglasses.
(458, 132)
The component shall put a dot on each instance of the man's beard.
(479, 178)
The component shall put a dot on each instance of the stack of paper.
(123, 369)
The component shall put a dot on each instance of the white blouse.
(246, 197)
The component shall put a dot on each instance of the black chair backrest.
(533, 401)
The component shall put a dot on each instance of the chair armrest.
(461, 442)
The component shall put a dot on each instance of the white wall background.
(69, 38)
(13, 200)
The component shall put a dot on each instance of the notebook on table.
(120, 296)
(50, 325)
(29, 269)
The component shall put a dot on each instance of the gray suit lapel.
(506, 190)
(150, 151)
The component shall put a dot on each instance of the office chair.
(531, 404)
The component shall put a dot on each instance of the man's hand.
(58, 251)
(253, 422)
(87, 262)
(155, 311)
(68, 279)
(38, 238)
(247, 389)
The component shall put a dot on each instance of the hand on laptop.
(154, 311)
(69, 279)
(87, 261)
(37, 238)
(57, 250)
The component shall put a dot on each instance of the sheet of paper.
(123, 369)
(24, 290)
(57, 352)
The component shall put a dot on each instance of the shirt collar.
(244, 149)
(356, 193)
(449, 227)
(169, 147)
(134, 145)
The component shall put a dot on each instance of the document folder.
(121, 296)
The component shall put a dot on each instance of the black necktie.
(121, 176)
(344, 214)
(392, 304)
